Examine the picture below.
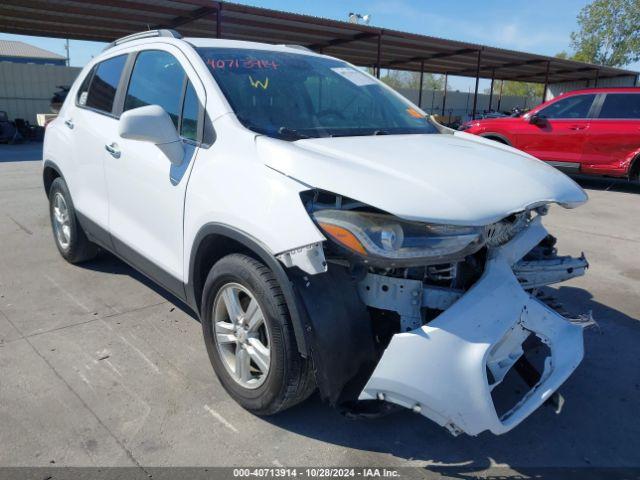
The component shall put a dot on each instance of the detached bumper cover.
(440, 369)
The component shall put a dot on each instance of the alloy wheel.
(241, 335)
(61, 221)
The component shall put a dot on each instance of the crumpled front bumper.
(440, 369)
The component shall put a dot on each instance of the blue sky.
(541, 26)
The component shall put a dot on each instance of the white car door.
(88, 122)
(146, 191)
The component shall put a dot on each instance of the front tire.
(250, 339)
(72, 243)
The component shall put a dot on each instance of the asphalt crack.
(22, 227)
(81, 400)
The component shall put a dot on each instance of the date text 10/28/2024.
(316, 472)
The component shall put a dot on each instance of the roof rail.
(297, 47)
(165, 32)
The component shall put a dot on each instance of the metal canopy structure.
(361, 45)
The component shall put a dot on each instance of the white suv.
(326, 232)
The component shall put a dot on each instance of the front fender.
(266, 256)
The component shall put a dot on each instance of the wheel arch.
(214, 241)
(496, 137)
(50, 172)
(634, 168)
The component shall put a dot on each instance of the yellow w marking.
(258, 83)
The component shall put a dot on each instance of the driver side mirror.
(539, 120)
(153, 124)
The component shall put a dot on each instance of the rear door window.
(104, 84)
(621, 105)
(574, 107)
(157, 79)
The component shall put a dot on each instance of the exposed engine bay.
(443, 330)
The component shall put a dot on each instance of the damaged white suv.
(328, 234)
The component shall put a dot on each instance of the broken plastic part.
(585, 320)
(443, 365)
(310, 258)
(405, 297)
(537, 273)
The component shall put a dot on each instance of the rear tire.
(238, 289)
(72, 242)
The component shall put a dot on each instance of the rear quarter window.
(621, 105)
(83, 91)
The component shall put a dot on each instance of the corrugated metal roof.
(13, 48)
(363, 45)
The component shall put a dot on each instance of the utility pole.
(66, 47)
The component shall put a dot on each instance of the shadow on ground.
(598, 426)
(107, 262)
(21, 152)
(605, 400)
(607, 184)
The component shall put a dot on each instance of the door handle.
(113, 150)
(577, 127)
(69, 123)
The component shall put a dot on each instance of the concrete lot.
(100, 367)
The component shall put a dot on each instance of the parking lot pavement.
(100, 367)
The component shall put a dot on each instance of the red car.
(592, 131)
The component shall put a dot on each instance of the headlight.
(383, 238)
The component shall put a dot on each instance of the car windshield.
(293, 96)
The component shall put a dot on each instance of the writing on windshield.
(295, 95)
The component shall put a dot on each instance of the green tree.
(411, 80)
(531, 91)
(429, 81)
(394, 79)
(609, 33)
(522, 89)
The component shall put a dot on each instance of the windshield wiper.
(291, 133)
(362, 134)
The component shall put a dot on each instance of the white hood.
(456, 179)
